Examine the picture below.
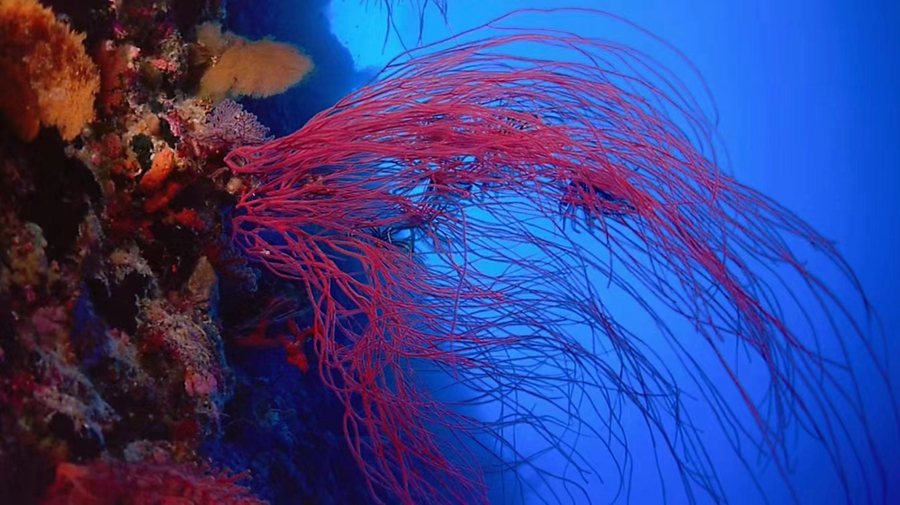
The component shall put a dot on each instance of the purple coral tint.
(229, 126)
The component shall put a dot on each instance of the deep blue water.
(809, 108)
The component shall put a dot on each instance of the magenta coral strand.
(482, 195)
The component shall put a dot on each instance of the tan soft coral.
(259, 68)
(48, 77)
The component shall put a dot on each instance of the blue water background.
(807, 96)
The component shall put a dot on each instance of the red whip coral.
(473, 211)
(421, 11)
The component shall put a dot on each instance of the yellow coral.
(255, 68)
(210, 36)
(48, 78)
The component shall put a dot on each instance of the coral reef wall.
(123, 305)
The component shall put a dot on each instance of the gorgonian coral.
(478, 213)
(241, 67)
(229, 126)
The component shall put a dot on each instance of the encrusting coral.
(115, 482)
(47, 76)
(109, 335)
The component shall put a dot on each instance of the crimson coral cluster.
(103, 482)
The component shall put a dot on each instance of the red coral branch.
(470, 211)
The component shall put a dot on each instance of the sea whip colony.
(467, 211)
